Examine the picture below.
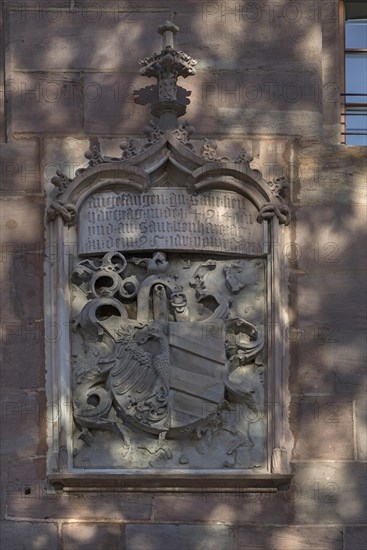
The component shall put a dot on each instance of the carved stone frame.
(139, 172)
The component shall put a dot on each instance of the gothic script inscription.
(171, 219)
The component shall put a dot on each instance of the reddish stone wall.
(266, 70)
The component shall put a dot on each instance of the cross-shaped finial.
(168, 31)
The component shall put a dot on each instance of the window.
(354, 72)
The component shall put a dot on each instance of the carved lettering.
(171, 218)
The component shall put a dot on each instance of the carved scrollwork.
(103, 278)
(94, 156)
(153, 133)
(67, 212)
(129, 148)
(91, 407)
(183, 134)
(278, 187)
(209, 150)
(269, 210)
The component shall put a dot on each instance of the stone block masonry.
(268, 79)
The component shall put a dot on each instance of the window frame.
(344, 104)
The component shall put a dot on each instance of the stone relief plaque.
(171, 371)
(168, 357)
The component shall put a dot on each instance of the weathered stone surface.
(22, 414)
(109, 103)
(360, 427)
(20, 167)
(88, 38)
(258, 30)
(25, 475)
(98, 536)
(325, 259)
(289, 538)
(324, 247)
(324, 427)
(313, 373)
(229, 90)
(21, 292)
(83, 505)
(41, 9)
(248, 121)
(181, 537)
(40, 101)
(65, 154)
(356, 538)
(23, 353)
(24, 269)
(16, 535)
(330, 492)
(330, 68)
(2, 77)
(326, 175)
(324, 306)
(224, 507)
(16, 215)
(352, 352)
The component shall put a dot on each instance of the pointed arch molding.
(156, 294)
(136, 174)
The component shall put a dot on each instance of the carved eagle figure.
(139, 380)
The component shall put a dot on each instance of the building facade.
(268, 81)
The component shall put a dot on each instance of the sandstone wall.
(268, 78)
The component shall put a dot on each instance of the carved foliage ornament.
(172, 363)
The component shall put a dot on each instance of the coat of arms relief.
(172, 363)
(168, 357)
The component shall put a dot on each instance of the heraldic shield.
(178, 382)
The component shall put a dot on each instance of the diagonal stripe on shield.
(197, 370)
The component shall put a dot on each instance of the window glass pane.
(356, 123)
(356, 73)
(356, 34)
(356, 98)
(356, 140)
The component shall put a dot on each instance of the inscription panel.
(170, 219)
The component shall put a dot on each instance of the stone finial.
(166, 67)
(168, 31)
